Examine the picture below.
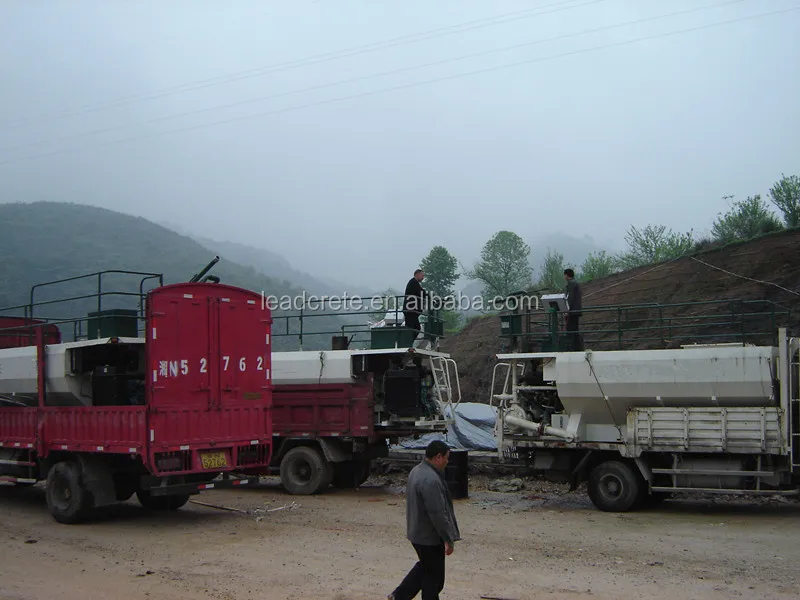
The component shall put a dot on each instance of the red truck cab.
(176, 406)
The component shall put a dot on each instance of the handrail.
(741, 320)
(32, 322)
(434, 322)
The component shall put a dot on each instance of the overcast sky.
(183, 112)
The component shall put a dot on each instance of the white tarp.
(473, 429)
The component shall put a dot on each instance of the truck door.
(208, 354)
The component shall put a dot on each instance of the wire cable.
(310, 60)
(744, 277)
(632, 277)
(694, 258)
(403, 86)
(366, 77)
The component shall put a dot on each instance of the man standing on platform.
(413, 303)
(574, 305)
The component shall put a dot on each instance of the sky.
(353, 136)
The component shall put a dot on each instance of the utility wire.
(367, 77)
(676, 259)
(632, 277)
(745, 277)
(407, 86)
(311, 60)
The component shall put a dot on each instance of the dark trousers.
(575, 339)
(412, 320)
(427, 575)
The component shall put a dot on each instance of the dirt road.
(350, 545)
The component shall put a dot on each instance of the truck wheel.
(350, 473)
(151, 502)
(67, 499)
(305, 471)
(615, 487)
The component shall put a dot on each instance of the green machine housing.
(115, 322)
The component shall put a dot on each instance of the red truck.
(334, 411)
(160, 411)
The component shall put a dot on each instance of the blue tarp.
(473, 429)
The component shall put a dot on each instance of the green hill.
(46, 241)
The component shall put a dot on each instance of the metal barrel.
(456, 474)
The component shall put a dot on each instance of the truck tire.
(615, 487)
(67, 498)
(350, 473)
(305, 471)
(150, 502)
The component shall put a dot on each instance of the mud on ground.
(541, 542)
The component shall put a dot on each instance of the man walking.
(574, 305)
(413, 303)
(431, 525)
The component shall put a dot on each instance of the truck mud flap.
(196, 488)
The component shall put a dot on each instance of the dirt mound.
(740, 292)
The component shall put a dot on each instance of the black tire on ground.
(366, 468)
(67, 498)
(305, 471)
(350, 473)
(654, 498)
(173, 502)
(124, 487)
(615, 487)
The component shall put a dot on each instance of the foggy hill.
(275, 266)
(764, 274)
(46, 241)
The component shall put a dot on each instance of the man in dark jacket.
(431, 525)
(413, 303)
(574, 306)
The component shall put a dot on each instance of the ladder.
(794, 410)
(443, 383)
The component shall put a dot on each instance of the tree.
(597, 265)
(441, 271)
(653, 244)
(504, 267)
(785, 195)
(747, 219)
(552, 274)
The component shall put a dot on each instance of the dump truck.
(664, 399)
(163, 401)
(336, 410)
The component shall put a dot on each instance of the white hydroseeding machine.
(639, 425)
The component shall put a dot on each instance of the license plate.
(214, 460)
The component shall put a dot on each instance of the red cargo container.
(161, 416)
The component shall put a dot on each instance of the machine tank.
(74, 371)
(309, 367)
(599, 384)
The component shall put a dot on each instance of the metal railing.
(650, 325)
(25, 325)
(388, 317)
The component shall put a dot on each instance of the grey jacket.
(430, 518)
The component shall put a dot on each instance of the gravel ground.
(540, 542)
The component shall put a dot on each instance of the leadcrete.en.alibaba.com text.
(355, 303)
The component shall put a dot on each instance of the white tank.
(716, 376)
(312, 367)
(65, 386)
